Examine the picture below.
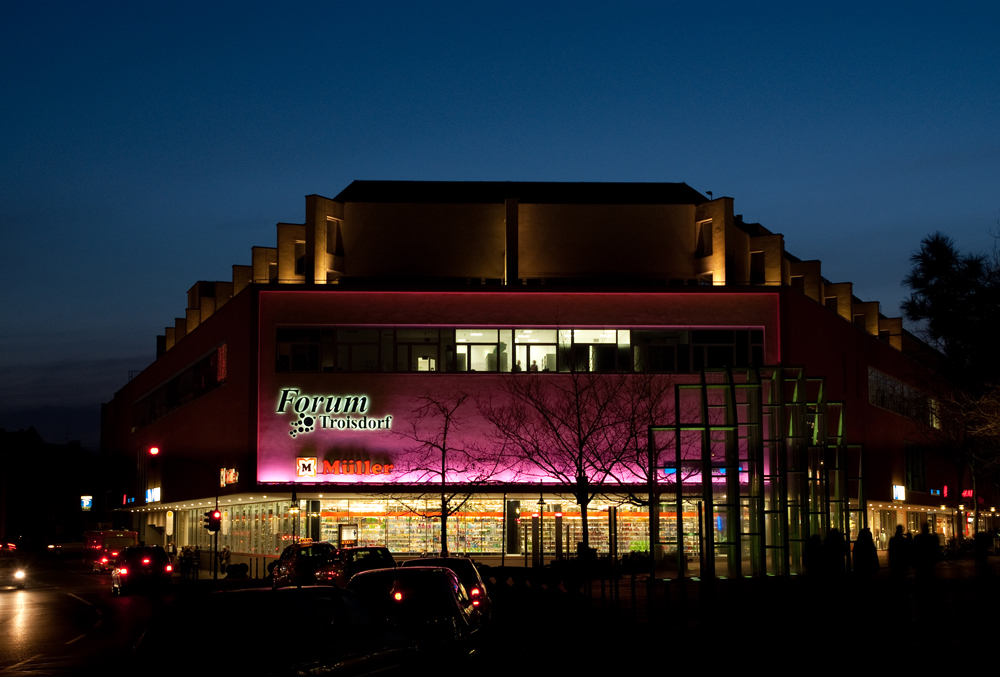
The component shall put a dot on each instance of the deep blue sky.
(144, 146)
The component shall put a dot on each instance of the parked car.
(12, 571)
(429, 603)
(299, 561)
(344, 563)
(316, 630)
(142, 567)
(467, 572)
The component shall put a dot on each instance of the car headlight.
(19, 574)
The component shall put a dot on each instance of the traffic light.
(207, 522)
(215, 520)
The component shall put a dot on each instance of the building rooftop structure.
(447, 234)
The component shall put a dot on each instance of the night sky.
(145, 146)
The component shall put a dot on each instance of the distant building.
(297, 377)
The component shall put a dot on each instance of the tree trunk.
(583, 500)
(444, 525)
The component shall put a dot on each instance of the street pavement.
(67, 622)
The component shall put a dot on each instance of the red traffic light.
(153, 451)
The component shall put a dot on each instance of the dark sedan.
(143, 567)
(429, 603)
(467, 572)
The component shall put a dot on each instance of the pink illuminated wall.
(347, 428)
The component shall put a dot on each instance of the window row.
(363, 349)
(202, 377)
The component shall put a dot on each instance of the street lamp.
(294, 510)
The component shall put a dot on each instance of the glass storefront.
(411, 527)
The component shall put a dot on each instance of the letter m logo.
(305, 467)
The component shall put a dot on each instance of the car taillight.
(114, 554)
(122, 571)
(475, 602)
(169, 568)
(104, 560)
(145, 561)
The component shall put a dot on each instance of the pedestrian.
(926, 549)
(899, 554)
(865, 556)
(834, 554)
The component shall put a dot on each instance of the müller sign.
(330, 412)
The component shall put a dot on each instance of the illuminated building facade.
(305, 376)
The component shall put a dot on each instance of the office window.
(417, 349)
(535, 350)
(298, 349)
(482, 350)
(520, 350)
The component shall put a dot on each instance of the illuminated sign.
(966, 493)
(170, 523)
(153, 495)
(86, 502)
(311, 466)
(935, 492)
(898, 492)
(327, 412)
(228, 476)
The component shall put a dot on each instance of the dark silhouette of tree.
(955, 299)
(576, 429)
(438, 452)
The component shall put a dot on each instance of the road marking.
(76, 639)
(79, 598)
(11, 667)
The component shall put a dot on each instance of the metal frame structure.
(773, 451)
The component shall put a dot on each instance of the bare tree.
(439, 452)
(574, 429)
